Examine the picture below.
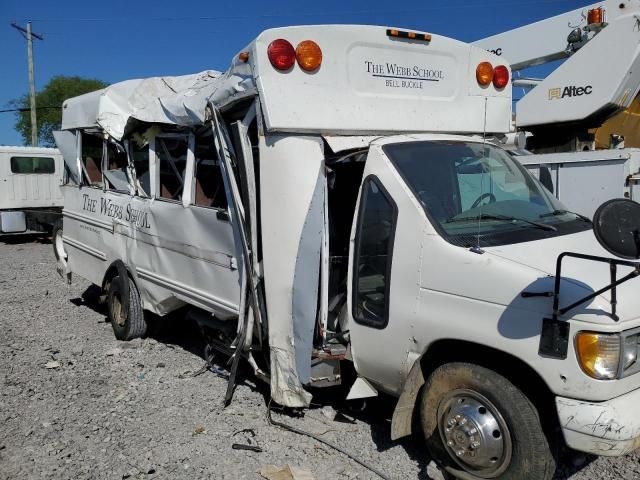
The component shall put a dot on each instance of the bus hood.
(542, 255)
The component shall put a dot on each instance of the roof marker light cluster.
(392, 32)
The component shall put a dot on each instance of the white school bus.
(332, 200)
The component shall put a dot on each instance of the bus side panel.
(183, 254)
(86, 232)
(178, 255)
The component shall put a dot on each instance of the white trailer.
(30, 195)
(584, 181)
(330, 200)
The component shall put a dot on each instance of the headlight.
(605, 356)
(599, 354)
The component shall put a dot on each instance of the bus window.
(172, 155)
(92, 158)
(209, 190)
(116, 173)
(139, 152)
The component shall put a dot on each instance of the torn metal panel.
(66, 143)
(292, 214)
(81, 111)
(306, 277)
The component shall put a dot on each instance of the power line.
(27, 109)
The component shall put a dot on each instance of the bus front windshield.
(478, 195)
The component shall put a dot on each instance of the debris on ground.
(271, 472)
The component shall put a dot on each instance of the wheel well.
(515, 370)
(113, 271)
(110, 274)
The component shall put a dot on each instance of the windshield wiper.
(562, 212)
(488, 216)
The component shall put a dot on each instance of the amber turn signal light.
(309, 55)
(484, 73)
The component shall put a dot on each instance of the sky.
(122, 39)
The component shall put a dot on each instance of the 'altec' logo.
(572, 91)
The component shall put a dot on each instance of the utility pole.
(29, 35)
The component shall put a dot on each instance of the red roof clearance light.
(500, 77)
(281, 54)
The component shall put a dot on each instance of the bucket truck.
(558, 116)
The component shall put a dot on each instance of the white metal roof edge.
(27, 149)
(577, 157)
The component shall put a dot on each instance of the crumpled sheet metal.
(180, 100)
(171, 100)
(285, 386)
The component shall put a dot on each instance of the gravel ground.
(77, 403)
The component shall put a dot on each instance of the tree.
(49, 106)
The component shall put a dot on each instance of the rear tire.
(128, 323)
(478, 425)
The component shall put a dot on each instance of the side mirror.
(545, 178)
(616, 225)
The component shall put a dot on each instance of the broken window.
(209, 184)
(117, 163)
(139, 151)
(171, 152)
(91, 158)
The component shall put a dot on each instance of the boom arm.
(540, 42)
(600, 77)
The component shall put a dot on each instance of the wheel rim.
(474, 433)
(117, 311)
(59, 245)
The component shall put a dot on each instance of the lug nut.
(475, 444)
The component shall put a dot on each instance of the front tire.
(127, 320)
(478, 425)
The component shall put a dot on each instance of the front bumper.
(610, 428)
